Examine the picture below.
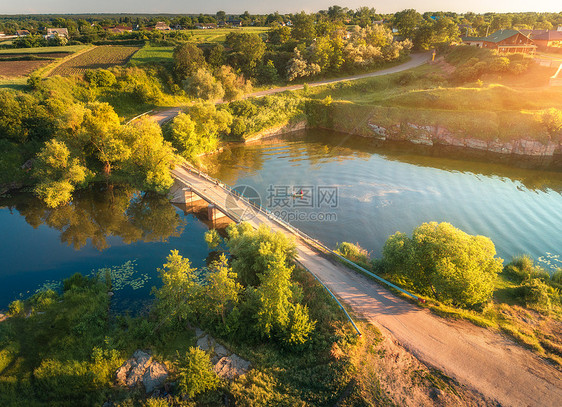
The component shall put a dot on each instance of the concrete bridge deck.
(478, 358)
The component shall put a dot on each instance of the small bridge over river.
(478, 358)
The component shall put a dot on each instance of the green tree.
(274, 293)
(248, 50)
(188, 58)
(176, 297)
(279, 35)
(203, 85)
(299, 67)
(234, 86)
(216, 56)
(58, 172)
(336, 13)
(221, 288)
(406, 22)
(445, 262)
(303, 27)
(195, 373)
(102, 133)
(151, 157)
(220, 15)
(432, 33)
(100, 78)
(267, 73)
(552, 120)
(254, 250)
(198, 130)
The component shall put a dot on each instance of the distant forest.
(87, 26)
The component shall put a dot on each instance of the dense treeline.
(65, 135)
(91, 25)
(424, 30)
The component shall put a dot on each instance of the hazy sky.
(266, 6)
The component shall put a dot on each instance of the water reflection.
(101, 212)
(318, 147)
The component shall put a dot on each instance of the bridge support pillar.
(214, 213)
(190, 196)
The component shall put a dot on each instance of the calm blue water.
(86, 239)
(380, 190)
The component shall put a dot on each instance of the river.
(334, 187)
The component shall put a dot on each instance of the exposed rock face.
(231, 366)
(277, 131)
(154, 376)
(227, 364)
(433, 135)
(141, 369)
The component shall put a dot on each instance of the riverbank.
(433, 134)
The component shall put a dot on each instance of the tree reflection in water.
(102, 211)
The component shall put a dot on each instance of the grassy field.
(13, 83)
(104, 56)
(150, 54)
(426, 87)
(219, 35)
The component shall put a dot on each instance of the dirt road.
(162, 116)
(480, 359)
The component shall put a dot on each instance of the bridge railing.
(314, 242)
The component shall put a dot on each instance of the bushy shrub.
(535, 292)
(100, 78)
(43, 300)
(556, 277)
(522, 268)
(355, 253)
(104, 364)
(76, 281)
(405, 78)
(64, 380)
(16, 307)
(195, 373)
(444, 262)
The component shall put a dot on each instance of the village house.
(507, 41)
(162, 26)
(205, 26)
(548, 39)
(22, 33)
(4, 36)
(119, 29)
(56, 32)
(545, 39)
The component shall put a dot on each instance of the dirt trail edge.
(483, 360)
(416, 60)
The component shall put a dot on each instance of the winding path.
(162, 116)
(485, 361)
